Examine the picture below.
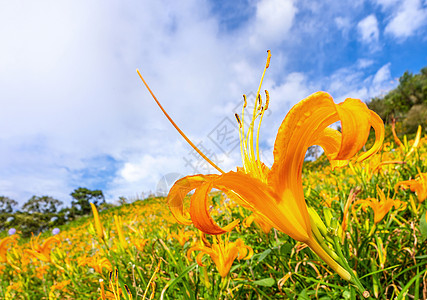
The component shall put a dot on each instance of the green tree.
(407, 102)
(43, 204)
(6, 205)
(82, 197)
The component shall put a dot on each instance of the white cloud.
(68, 83)
(407, 18)
(382, 75)
(343, 24)
(273, 21)
(363, 63)
(73, 108)
(351, 82)
(387, 3)
(368, 31)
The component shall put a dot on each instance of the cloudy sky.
(74, 113)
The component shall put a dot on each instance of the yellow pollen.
(267, 99)
(238, 120)
(268, 59)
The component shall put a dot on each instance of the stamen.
(243, 144)
(238, 120)
(268, 59)
(267, 99)
(256, 160)
(177, 128)
(127, 289)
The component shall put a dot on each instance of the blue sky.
(74, 112)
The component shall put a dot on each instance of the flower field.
(376, 209)
(350, 225)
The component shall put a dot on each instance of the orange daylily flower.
(182, 236)
(404, 146)
(97, 262)
(98, 225)
(276, 193)
(119, 224)
(42, 251)
(116, 291)
(4, 246)
(258, 219)
(417, 185)
(59, 286)
(223, 253)
(380, 207)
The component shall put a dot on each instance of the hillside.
(407, 103)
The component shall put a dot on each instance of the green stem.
(315, 246)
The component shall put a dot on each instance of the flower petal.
(378, 125)
(260, 198)
(179, 191)
(330, 140)
(199, 211)
(305, 125)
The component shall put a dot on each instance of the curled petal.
(199, 211)
(355, 125)
(199, 258)
(330, 140)
(179, 191)
(378, 125)
(203, 250)
(305, 125)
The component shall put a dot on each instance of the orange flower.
(96, 262)
(277, 193)
(59, 286)
(4, 246)
(405, 146)
(380, 207)
(223, 253)
(119, 225)
(98, 225)
(182, 236)
(258, 219)
(42, 251)
(116, 290)
(418, 185)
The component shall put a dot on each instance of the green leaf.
(423, 227)
(346, 294)
(269, 282)
(303, 295)
(264, 255)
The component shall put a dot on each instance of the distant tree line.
(41, 213)
(407, 103)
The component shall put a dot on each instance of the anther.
(238, 120)
(268, 59)
(245, 101)
(267, 99)
(127, 289)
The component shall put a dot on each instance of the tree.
(82, 197)
(6, 205)
(406, 103)
(43, 204)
